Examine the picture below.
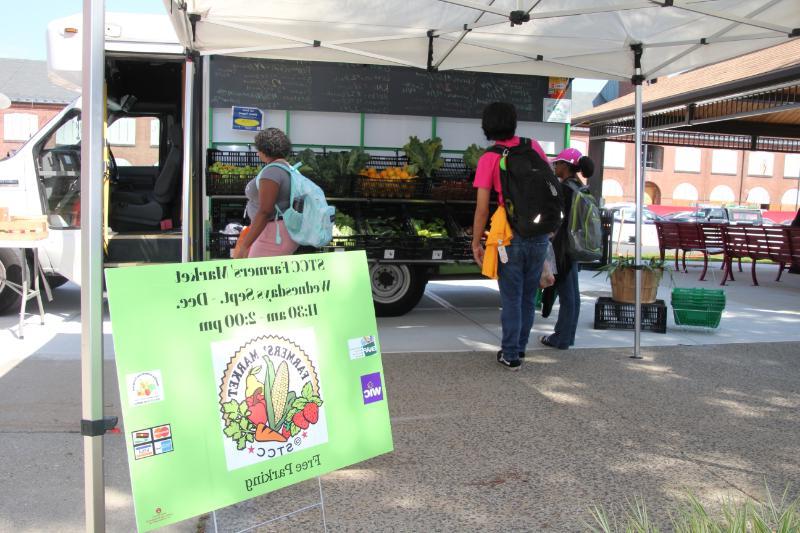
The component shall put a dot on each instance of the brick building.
(707, 119)
(683, 176)
(35, 100)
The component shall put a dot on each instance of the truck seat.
(132, 209)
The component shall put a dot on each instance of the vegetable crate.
(410, 188)
(453, 169)
(609, 314)
(698, 307)
(229, 172)
(452, 189)
(341, 187)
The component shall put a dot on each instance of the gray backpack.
(584, 231)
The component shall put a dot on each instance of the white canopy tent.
(606, 39)
(575, 38)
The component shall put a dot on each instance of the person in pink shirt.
(518, 277)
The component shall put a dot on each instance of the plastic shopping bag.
(549, 271)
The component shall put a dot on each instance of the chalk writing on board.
(355, 88)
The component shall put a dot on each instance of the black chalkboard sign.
(353, 88)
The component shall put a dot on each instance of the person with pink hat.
(566, 166)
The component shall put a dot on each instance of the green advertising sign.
(238, 378)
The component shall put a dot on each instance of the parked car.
(626, 213)
(719, 215)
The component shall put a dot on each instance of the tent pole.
(639, 189)
(93, 113)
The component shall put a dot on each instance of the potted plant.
(622, 274)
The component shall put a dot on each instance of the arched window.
(685, 194)
(758, 195)
(612, 190)
(790, 200)
(722, 194)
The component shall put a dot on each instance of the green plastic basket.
(698, 307)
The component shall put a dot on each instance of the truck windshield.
(58, 164)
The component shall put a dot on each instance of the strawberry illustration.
(299, 420)
(311, 412)
(286, 433)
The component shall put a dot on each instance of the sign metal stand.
(320, 504)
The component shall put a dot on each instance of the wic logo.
(371, 388)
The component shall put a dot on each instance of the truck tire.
(11, 264)
(396, 288)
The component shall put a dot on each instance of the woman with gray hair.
(270, 188)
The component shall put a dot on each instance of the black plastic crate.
(224, 212)
(220, 245)
(609, 314)
(351, 242)
(453, 168)
(453, 189)
(221, 183)
(380, 162)
(341, 187)
(408, 189)
(406, 248)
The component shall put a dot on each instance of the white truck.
(166, 122)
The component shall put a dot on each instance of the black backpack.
(531, 192)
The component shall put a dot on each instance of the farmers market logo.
(270, 401)
(144, 387)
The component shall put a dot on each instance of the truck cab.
(144, 154)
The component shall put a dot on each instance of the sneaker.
(511, 365)
(522, 355)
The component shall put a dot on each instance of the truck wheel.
(11, 265)
(396, 288)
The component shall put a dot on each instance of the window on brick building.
(791, 166)
(614, 155)
(758, 196)
(19, 126)
(687, 159)
(581, 146)
(122, 132)
(790, 201)
(653, 157)
(155, 132)
(760, 163)
(725, 162)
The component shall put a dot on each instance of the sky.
(23, 23)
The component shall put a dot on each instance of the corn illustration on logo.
(270, 398)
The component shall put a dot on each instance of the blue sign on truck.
(247, 118)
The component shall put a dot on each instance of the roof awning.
(574, 38)
(746, 103)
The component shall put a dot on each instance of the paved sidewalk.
(476, 447)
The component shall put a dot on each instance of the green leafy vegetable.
(424, 156)
(471, 156)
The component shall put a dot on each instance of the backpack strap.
(278, 212)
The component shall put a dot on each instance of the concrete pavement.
(476, 447)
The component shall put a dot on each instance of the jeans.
(569, 307)
(518, 280)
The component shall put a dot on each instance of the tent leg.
(637, 325)
(93, 114)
